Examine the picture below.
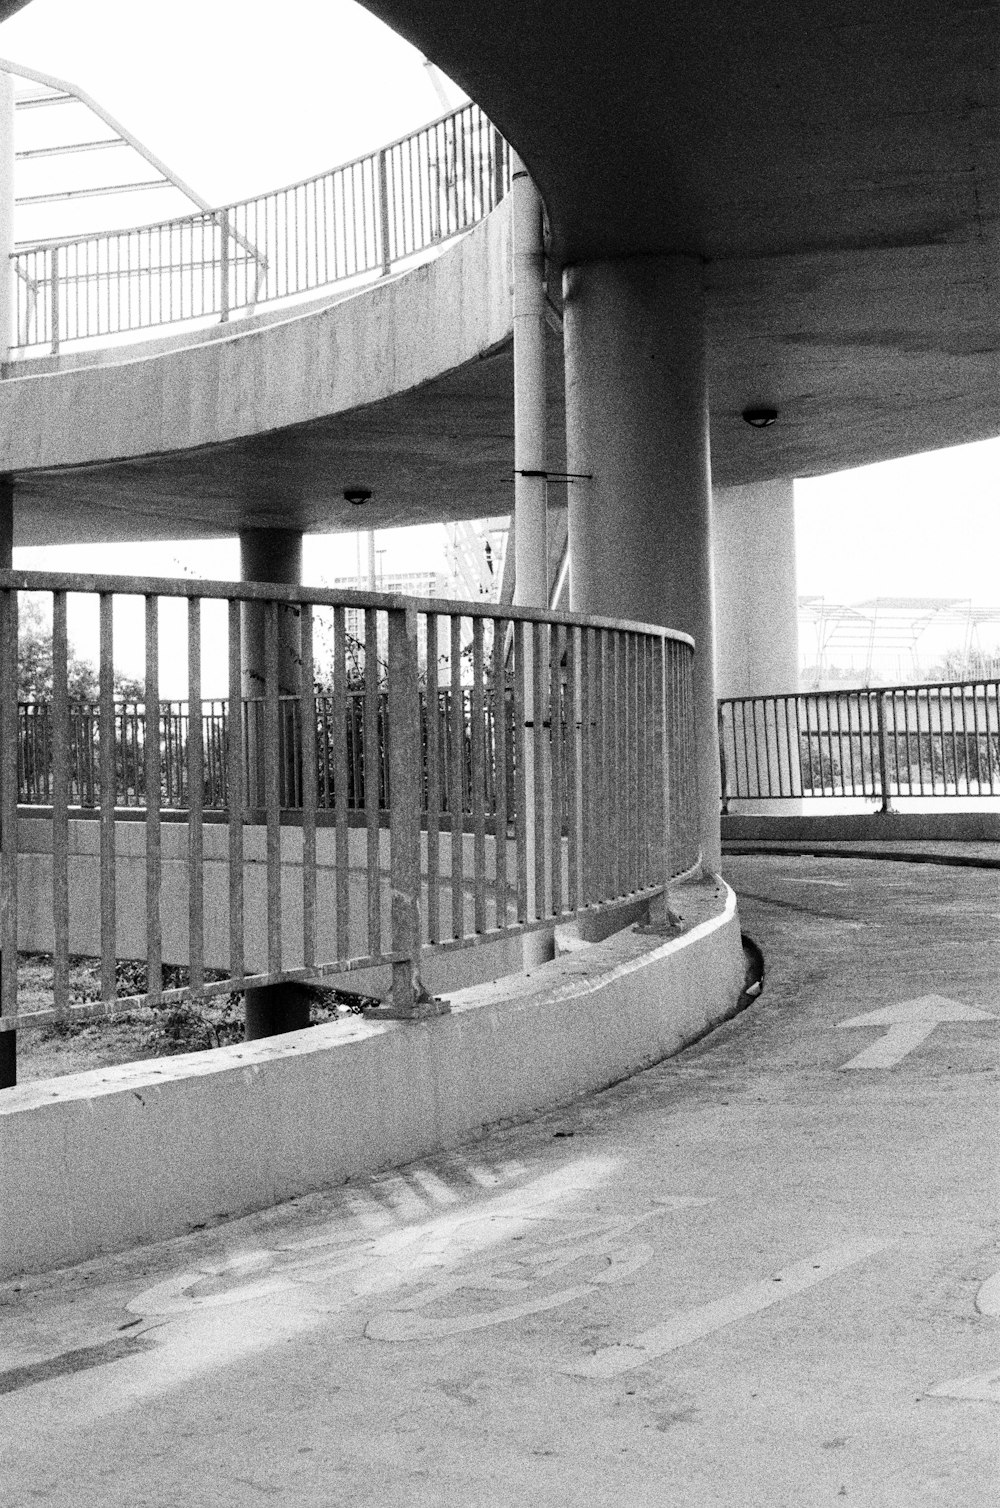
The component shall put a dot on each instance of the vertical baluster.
(310, 796)
(601, 823)
(557, 639)
(403, 713)
(500, 765)
(457, 781)
(235, 795)
(106, 736)
(573, 801)
(587, 748)
(60, 804)
(196, 799)
(643, 814)
(338, 717)
(977, 735)
(433, 725)
(154, 946)
(659, 791)
(522, 826)
(372, 764)
(478, 777)
(8, 838)
(965, 734)
(272, 785)
(540, 775)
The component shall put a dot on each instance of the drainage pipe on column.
(531, 552)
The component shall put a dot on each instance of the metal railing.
(35, 745)
(360, 220)
(879, 743)
(570, 739)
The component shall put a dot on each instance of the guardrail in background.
(361, 219)
(35, 744)
(598, 805)
(940, 739)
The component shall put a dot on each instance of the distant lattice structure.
(898, 638)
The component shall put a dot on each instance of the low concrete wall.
(104, 1160)
(34, 877)
(860, 827)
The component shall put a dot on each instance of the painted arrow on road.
(909, 1023)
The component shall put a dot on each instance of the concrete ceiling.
(835, 166)
(732, 128)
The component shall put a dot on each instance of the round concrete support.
(757, 631)
(637, 420)
(756, 598)
(271, 555)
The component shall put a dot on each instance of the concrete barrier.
(104, 1160)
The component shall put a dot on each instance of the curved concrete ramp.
(406, 387)
(100, 1161)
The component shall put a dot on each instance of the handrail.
(361, 219)
(929, 739)
(445, 792)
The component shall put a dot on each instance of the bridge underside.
(867, 356)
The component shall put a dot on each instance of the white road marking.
(696, 1323)
(984, 1388)
(910, 1023)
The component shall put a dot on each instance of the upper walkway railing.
(570, 740)
(360, 220)
(878, 743)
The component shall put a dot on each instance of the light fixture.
(357, 495)
(760, 418)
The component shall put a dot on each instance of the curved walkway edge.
(103, 1160)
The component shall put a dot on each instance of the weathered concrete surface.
(425, 1337)
(104, 1159)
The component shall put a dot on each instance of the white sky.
(237, 104)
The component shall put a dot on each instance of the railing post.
(383, 202)
(409, 999)
(54, 297)
(8, 836)
(224, 269)
(883, 756)
(723, 771)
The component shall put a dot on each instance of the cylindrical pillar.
(637, 421)
(8, 1040)
(6, 214)
(271, 555)
(531, 549)
(757, 636)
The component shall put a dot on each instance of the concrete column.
(637, 419)
(757, 625)
(756, 597)
(8, 1040)
(6, 214)
(531, 548)
(271, 555)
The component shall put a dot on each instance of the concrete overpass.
(767, 211)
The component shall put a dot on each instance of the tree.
(34, 663)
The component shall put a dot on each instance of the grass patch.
(141, 1032)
